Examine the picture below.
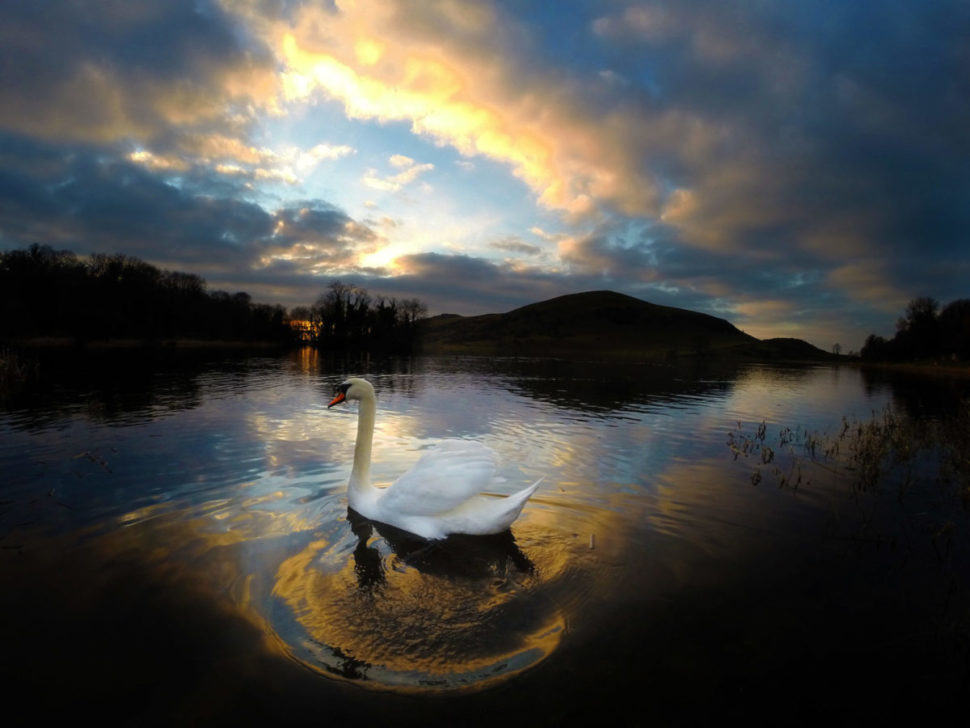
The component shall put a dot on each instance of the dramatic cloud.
(104, 72)
(96, 205)
(796, 168)
(452, 71)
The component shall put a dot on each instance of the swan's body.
(442, 494)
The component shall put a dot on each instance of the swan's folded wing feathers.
(444, 478)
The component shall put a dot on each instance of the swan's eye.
(341, 394)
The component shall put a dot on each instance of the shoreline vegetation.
(925, 333)
(49, 295)
(895, 484)
(67, 342)
(54, 298)
(51, 299)
(955, 368)
(896, 480)
(891, 453)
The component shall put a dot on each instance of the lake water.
(176, 546)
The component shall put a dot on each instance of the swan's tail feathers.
(526, 493)
(513, 504)
(488, 514)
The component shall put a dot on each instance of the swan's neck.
(360, 475)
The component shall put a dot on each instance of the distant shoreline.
(68, 342)
(950, 369)
(754, 352)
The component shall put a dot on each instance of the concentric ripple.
(382, 608)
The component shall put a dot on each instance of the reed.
(893, 481)
(888, 451)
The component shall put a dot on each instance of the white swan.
(441, 494)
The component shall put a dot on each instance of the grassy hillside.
(598, 323)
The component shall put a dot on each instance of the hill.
(602, 323)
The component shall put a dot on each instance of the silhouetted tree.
(923, 332)
(875, 349)
(917, 333)
(954, 323)
(350, 320)
(44, 292)
(40, 291)
(300, 313)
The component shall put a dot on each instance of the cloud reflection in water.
(381, 606)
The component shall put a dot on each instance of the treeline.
(46, 292)
(54, 293)
(925, 332)
(347, 317)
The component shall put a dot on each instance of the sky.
(798, 168)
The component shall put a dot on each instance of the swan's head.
(352, 388)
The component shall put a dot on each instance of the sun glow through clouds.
(672, 151)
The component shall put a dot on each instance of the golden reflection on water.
(356, 602)
(308, 359)
(367, 603)
(426, 621)
(463, 613)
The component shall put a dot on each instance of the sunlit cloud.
(430, 67)
(753, 161)
(158, 162)
(409, 172)
(318, 240)
(869, 283)
(539, 232)
(769, 307)
(766, 317)
(233, 157)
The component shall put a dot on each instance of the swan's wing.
(442, 479)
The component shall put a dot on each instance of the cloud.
(107, 72)
(92, 204)
(320, 237)
(812, 146)
(232, 157)
(174, 85)
(717, 156)
(868, 282)
(540, 233)
(709, 131)
(516, 246)
(410, 171)
(460, 84)
(469, 285)
(400, 161)
(765, 309)
(610, 253)
(290, 253)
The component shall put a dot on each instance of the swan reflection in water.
(496, 557)
(383, 607)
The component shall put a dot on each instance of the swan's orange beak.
(337, 400)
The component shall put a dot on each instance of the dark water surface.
(176, 548)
